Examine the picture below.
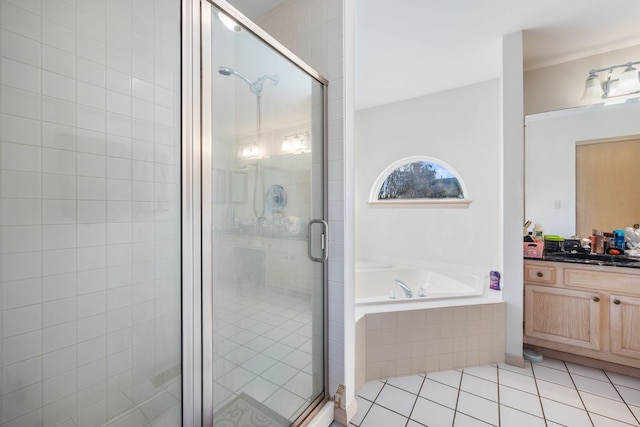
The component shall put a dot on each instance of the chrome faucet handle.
(407, 290)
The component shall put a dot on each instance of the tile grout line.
(578, 391)
(535, 380)
(415, 401)
(621, 397)
(455, 410)
(373, 402)
(498, 387)
(533, 375)
(560, 385)
(476, 395)
(387, 408)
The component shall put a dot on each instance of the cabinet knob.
(539, 274)
(596, 299)
(616, 301)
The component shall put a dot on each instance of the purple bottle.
(494, 280)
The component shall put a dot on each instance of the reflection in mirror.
(550, 167)
(607, 183)
(238, 187)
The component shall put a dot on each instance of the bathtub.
(455, 286)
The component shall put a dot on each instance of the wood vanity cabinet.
(563, 316)
(625, 325)
(584, 310)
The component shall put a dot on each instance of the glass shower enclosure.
(264, 237)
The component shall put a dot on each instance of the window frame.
(422, 202)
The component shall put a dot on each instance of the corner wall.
(512, 186)
(460, 127)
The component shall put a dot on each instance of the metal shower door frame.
(196, 197)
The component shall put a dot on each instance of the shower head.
(256, 86)
(226, 71)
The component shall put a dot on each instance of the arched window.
(420, 179)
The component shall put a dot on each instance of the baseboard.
(322, 418)
(514, 360)
(344, 416)
(587, 361)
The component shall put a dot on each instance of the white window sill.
(423, 203)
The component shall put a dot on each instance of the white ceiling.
(409, 48)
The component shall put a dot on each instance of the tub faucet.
(405, 288)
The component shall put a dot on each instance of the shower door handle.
(324, 239)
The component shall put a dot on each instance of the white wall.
(90, 211)
(550, 158)
(460, 127)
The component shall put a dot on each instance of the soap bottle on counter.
(619, 238)
(538, 232)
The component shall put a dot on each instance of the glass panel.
(421, 180)
(267, 179)
(90, 214)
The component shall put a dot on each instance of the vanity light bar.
(627, 83)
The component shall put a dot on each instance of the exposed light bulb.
(229, 23)
(628, 81)
(592, 88)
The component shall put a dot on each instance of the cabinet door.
(563, 316)
(625, 326)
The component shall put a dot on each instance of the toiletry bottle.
(618, 238)
(538, 232)
(599, 249)
(494, 280)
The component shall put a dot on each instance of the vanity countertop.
(591, 259)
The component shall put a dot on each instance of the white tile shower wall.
(89, 210)
(313, 30)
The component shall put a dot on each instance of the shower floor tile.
(264, 350)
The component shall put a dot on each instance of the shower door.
(263, 205)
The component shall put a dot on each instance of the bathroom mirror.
(551, 139)
(238, 187)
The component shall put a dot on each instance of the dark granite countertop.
(591, 259)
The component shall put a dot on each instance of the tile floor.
(263, 346)
(552, 393)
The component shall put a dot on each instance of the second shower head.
(226, 71)
(254, 86)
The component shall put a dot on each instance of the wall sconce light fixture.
(249, 151)
(296, 144)
(626, 83)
